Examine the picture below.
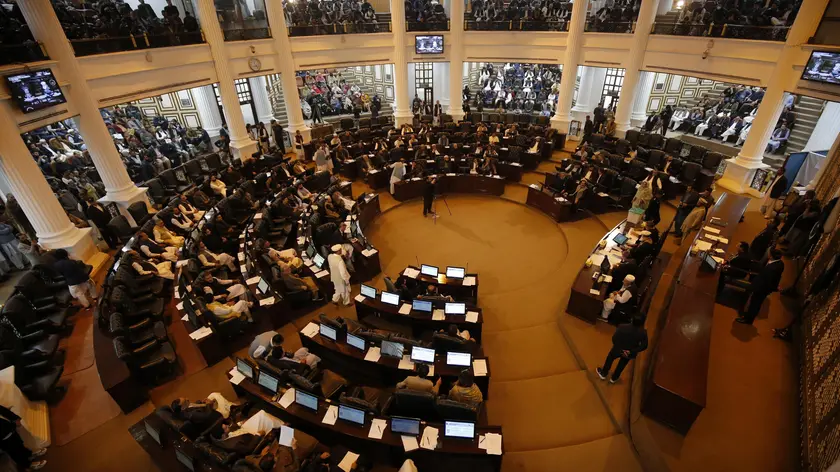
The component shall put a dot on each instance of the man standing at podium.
(429, 195)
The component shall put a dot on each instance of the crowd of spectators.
(750, 19)
(520, 88)
(329, 93)
(425, 15)
(111, 19)
(150, 145)
(312, 17)
(16, 41)
(539, 15)
(614, 17)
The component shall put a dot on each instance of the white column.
(456, 61)
(286, 65)
(440, 80)
(589, 91)
(208, 109)
(562, 116)
(259, 94)
(402, 107)
(826, 130)
(740, 170)
(30, 188)
(44, 24)
(241, 145)
(639, 115)
(633, 65)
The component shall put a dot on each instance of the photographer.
(429, 195)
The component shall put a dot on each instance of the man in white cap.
(626, 294)
(339, 275)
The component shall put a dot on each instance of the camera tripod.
(434, 207)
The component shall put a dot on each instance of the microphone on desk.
(417, 260)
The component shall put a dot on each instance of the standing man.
(776, 189)
(587, 130)
(687, 204)
(628, 341)
(339, 275)
(12, 443)
(429, 195)
(77, 275)
(322, 160)
(279, 136)
(438, 110)
(763, 284)
(600, 117)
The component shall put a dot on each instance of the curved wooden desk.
(419, 322)
(456, 288)
(451, 183)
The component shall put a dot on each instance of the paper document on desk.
(596, 259)
(241, 256)
(702, 245)
(373, 354)
(469, 281)
(369, 252)
(431, 371)
(608, 278)
(331, 416)
(346, 464)
(287, 435)
(594, 291)
(719, 260)
(310, 330)
(180, 306)
(405, 363)
(723, 240)
(201, 333)
(492, 443)
(177, 293)
(321, 274)
(185, 318)
(430, 438)
(535, 186)
(252, 280)
(438, 315)
(288, 398)
(377, 427)
(710, 229)
(614, 260)
(409, 443)
(412, 273)
(307, 262)
(472, 317)
(243, 269)
(405, 309)
(267, 301)
(359, 298)
(480, 367)
(450, 175)
(235, 376)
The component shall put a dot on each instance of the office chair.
(454, 410)
(632, 137)
(38, 380)
(656, 140)
(26, 319)
(643, 140)
(151, 361)
(139, 333)
(121, 301)
(139, 212)
(411, 403)
(120, 227)
(673, 146)
(34, 347)
(33, 287)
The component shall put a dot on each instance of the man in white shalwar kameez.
(339, 275)
(397, 174)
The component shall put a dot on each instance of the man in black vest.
(763, 284)
(628, 341)
(622, 299)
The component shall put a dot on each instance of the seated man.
(267, 341)
(210, 259)
(231, 309)
(627, 266)
(164, 236)
(452, 330)
(419, 382)
(465, 390)
(643, 248)
(153, 250)
(202, 414)
(433, 294)
(189, 210)
(144, 267)
(286, 257)
(778, 138)
(624, 296)
(737, 267)
(220, 289)
(295, 283)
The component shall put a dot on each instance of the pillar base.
(739, 175)
(561, 124)
(457, 117)
(79, 243)
(579, 115)
(125, 198)
(243, 149)
(402, 117)
(621, 129)
(637, 120)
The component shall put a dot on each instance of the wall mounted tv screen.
(823, 67)
(35, 90)
(428, 44)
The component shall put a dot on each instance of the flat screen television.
(35, 90)
(823, 66)
(428, 44)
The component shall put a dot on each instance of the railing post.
(709, 33)
(133, 41)
(520, 25)
(203, 39)
(510, 25)
(44, 49)
(146, 38)
(633, 27)
(723, 33)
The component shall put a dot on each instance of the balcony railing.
(596, 26)
(761, 33)
(88, 47)
(516, 25)
(349, 28)
(246, 34)
(28, 52)
(427, 25)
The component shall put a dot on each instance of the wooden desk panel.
(461, 183)
(548, 204)
(582, 303)
(455, 288)
(419, 322)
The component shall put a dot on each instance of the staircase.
(671, 17)
(808, 111)
(278, 102)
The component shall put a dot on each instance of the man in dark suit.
(687, 204)
(737, 267)
(628, 341)
(763, 284)
(429, 195)
(277, 132)
(588, 126)
(12, 443)
(777, 188)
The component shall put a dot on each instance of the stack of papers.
(180, 306)
(703, 245)
(359, 298)
(346, 464)
(310, 330)
(429, 439)
(201, 333)
(405, 309)
(409, 443)
(480, 367)
(267, 301)
(287, 435)
(252, 280)
(535, 186)
(469, 281)
(710, 229)
(377, 427)
(412, 273)
(472, 317)
(321, 274)
(492, 443)
(243, 269)
(331, 416)
(373, 354)
(288, 398)
(235, 376)
(241, 256)
(177, 293)
(185, 318)
(405, 363)
(438, 315)
(369, 252)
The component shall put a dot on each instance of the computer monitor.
(262, 285)
(305, 399)
(368, 291)
(357, 342)
(459, 429)
(268, 381)
(421, 305)
(185, 459)
(352, 415)
(327, 331)
(152, 431)
(392, 349)
(431, 271)
(422, 354)
(310, 251)
(390, 298)
(709, 262)
(401, 425)
(245, 368)
(620, 238)
(318, 260)
(458, 358)
(455, 272)
(455, 309)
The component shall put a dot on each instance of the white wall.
(440, 80)
(412, 89)
(828, 126)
